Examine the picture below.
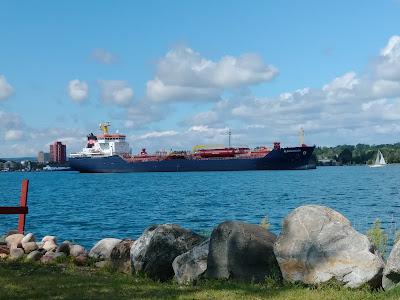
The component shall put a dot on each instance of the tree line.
(359, 154)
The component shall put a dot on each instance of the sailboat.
(379, 161)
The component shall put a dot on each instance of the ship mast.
(104, 127)
(229, 133)
(301, 135)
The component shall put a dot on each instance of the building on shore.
(58, 153)
(43, 157)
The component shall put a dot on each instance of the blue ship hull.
(295, 158)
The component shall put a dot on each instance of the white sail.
(382, 159)
(379, 161)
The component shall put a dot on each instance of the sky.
(173, 74)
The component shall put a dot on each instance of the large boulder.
(121, 256)
(154, 251)
(391, 273)
(242, 251)
(189, 266)
(318, 244)
(102, 249)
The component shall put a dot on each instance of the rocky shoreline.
(315, 245)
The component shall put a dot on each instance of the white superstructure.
(104, 145)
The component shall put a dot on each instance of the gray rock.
(189, 266)
(49, 245)
(14, 240)
(242, 251)
(317, 244)
(48, 238)
(16, 253)
(51, 257)
(102, 264)
(120, 256)
(76, 250)
(102, 249)
(34, 255)
(64, 247)
(81, 259)
(391, 273)
(155, 250)
(29, 247)
(29, 237)
(4, 249)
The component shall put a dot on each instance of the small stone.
(49, 238)
(49, 257)
(3, 256)
(190, 266)
(76, 250)
(28, 238)
(121, 256)
(29, 247)
(103, 248)
(16, 253)
(58, 255)
(102, 264)
(34, 255)
(49, 245)
(81, 260)
(3, 239)
(64, 247)
(14, 240)
(4, 249)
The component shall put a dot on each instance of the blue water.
(87, 207)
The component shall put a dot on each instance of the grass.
(21, 280)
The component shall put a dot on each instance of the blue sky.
(178, 73)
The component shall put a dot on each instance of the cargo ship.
(110, 153)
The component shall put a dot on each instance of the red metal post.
(23, 202)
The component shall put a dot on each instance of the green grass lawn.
(19, 280)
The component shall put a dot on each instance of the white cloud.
(349, 109)
(116, 92)
(103, 56)
(388, 63)
(158, 91)
(78, 90)
(341, 87)
(9, 120)
(156, 134)
(184, 74)
(203, 118)
(6, 90)
(13, 135)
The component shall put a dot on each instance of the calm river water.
(87, 207)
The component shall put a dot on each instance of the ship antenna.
(301, 133)
(229, 133)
